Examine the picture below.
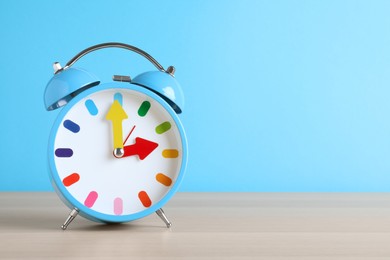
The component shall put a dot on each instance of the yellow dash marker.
(116, 115)
(170, 153)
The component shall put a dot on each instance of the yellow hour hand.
(116, 115)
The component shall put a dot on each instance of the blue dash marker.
(118, 96)
(63, 152)
(71, 126)
(92, 109)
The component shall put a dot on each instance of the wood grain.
(205, 226)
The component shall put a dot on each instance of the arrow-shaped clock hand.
(116, 115)
(141, 147)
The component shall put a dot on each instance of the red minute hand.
(141, 147)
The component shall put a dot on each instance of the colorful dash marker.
(118, 206)
(91, 106)
(144, 198)
(163, 179)
(91, 199)
(63, 152)
(170, 153)
(144, 108)
(71, 126)
(162, 128)
(71, 179)
(118, 96)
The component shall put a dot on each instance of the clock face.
(96, 181)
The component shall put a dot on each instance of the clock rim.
(68, 198)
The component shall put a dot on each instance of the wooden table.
(205, 226)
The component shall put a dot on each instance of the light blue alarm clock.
(117, 150)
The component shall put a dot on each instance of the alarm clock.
(117, 150)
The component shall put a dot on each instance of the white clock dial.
(93, 176)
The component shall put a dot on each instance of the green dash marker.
(162, 128)
(144, 108)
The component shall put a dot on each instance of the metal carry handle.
(115, 45)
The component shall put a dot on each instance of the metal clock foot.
(161, 214)
(70, 218)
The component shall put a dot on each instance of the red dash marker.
(144, 198)
(71, 179)
(141, 147)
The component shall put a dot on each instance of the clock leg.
(161, 214)
(70, 218)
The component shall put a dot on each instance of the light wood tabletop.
(205, 226)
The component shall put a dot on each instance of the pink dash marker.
(91, 199)
(118, 206)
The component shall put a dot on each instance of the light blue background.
(280, 95)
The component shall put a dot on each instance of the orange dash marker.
(163, 179)
(144, 198)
